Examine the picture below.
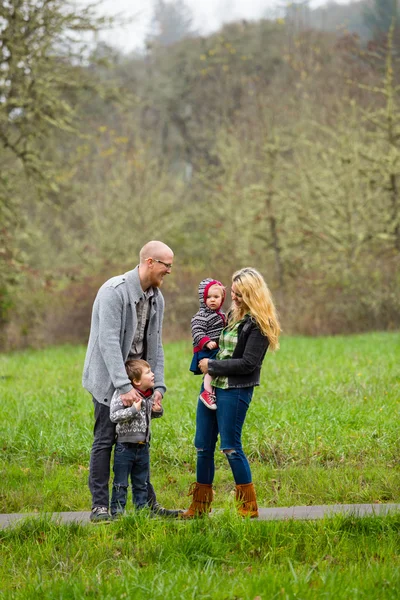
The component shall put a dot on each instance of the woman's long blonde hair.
(257, 301)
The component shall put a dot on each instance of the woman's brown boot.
(201, 504)
(246, 500)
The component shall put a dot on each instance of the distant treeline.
(265, 144)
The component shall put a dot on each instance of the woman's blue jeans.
(130, 461)
(227, 421)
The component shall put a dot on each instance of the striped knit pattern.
(206, 324)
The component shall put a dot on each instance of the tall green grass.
(218, 558)
(322, 429)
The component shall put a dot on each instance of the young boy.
(131, 455)
(207, 325)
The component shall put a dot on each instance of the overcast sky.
(208, 15)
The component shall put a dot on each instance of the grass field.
(322, 429)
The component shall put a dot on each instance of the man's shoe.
(208, 400)
(100, 514)
(159, 511)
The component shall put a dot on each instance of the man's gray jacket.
(112, 330)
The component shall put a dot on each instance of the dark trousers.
(100, 458)
(131, 461)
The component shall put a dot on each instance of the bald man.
(126, 323)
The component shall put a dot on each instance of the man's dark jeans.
(99, 472)
(130, 461)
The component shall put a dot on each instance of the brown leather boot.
(201, 504)
(246, 500)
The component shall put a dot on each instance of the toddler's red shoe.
(208, 400)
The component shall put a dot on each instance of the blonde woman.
(252, 328)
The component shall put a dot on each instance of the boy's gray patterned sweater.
(133, 426)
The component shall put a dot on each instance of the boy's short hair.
(135, 367)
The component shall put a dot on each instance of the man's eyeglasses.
(166, 265)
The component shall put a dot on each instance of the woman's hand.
(203, 366)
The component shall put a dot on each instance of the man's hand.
(130, 397)
(157, 397)
(212, 345)
(157, 401)
(203, 365)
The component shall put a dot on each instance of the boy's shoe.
(208, 400)
(117, 515)
(100, 514)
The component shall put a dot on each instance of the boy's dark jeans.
(130, 460)
(100, 458)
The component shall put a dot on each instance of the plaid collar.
(227, 344)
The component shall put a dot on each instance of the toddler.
(207, 325)
(131, 455)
